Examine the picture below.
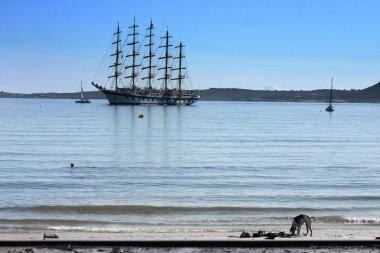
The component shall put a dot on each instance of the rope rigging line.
(142, 50)
(95, 77)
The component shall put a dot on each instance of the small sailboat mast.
(330, 108)
(180, 77)
(330, 101)
(166, 76)
(134, 73)
(150, 56)
(81, 91)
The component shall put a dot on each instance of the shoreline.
(319, 234)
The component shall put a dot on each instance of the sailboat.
(330, 108)
(82, 99)
(144, 90)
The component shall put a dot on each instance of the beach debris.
(50, 236)
(245, 235)
(284, 235)
(260, 233)
(141, 116)
(267, 235)
(271, 236)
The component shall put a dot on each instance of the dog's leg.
(308, 226)
(307, 229)
(298, 230)
(311, 231)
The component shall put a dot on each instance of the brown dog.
(298, 221)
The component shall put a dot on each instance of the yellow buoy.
(141, 116)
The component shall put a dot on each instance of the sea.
(209, 167)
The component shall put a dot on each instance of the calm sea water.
(214, 166)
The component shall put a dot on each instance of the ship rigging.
(167, 89)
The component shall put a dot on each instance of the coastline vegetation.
(368, 95)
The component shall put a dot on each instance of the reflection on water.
(157, 136)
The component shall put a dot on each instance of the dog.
(298, 221)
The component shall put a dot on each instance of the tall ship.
(146, 79)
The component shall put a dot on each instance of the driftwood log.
(50, 236)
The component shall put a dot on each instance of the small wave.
(134, 229)
(144, 209)
(51, 221)
(355, 197)
(92, 229)
(348, 220)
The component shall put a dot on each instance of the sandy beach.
(318, 234)
(322, 241)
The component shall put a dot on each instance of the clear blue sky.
(51, 45)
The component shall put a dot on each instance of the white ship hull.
(126, 98)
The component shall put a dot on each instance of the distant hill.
(373, 87)
(54, 95)
(368, 95)
(355, 96)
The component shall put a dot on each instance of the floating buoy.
(141, 116)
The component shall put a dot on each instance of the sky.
(53, 45)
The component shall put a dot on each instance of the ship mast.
(117, 54)
(180, 77)
(134, 74)
(150, 56)
(166, 57)
(332, 79)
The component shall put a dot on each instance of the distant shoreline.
(368, 95)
